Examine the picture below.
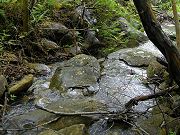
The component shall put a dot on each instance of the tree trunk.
(159, 38)
(25, 15)
(176, 23)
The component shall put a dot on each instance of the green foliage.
(165, 6)
(38, 13)
(168, 5)
(172, 133)
(13, 97)
(2, 16)
(107, 13)
(4, 37)
(5, 1)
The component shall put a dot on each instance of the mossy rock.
(137, 57)
(56, 32)
(81, 70)
(153, 124)
(78, 129)
(156, 69)
(67, 121)
(22, 85)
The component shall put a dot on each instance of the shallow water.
(117, 85)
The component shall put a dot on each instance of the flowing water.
(119, 83)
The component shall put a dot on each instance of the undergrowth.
(107, 13)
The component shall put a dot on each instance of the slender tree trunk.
(176, 19)
(25, 15)
(159, 38)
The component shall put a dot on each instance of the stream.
(112, 83)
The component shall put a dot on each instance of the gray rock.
(48, 45)
(67, 106)
(120, 82)
(57, 32)
(137, 57)
(73, 50)
(90, 38)
(81, 71)
(40, 69)
(3, 85)
(87, 15)
(170, 30)
(28, 120)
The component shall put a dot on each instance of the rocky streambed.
(84, 95)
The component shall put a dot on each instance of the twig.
(134, 101)
(75, 113)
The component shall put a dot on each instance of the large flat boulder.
(80, 72)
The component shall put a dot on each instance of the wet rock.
(137, 57)
(38, 68)
(40, 90)
(57, 32)
(46, 96)
(75, 106)
(22, 85)
(120, 82)
(29, 120)
(81, 71)
(99, 127)
(3, 85)
(39, 85)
